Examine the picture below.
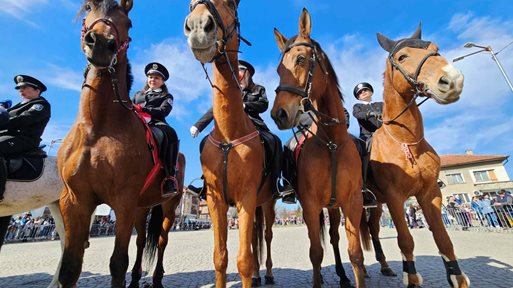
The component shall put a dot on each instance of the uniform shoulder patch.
(37, 107)
(170, 101)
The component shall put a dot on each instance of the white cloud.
(63, 77)
(20, 9)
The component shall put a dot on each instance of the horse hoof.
(134, 285)
(256, 282)
(269, 280)
(388, 272)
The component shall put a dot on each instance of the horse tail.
(322, 229)
(154, 230)
(4, 224)
(259, 233)
(365, 232)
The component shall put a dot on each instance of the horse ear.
(127, 5)
(385, 43)
(417, 33)
(237, 1)
(280, 39)
(305, 24)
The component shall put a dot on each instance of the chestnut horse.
(233, 157)
(158, 232)
(403, 164)
(105, 157)
(329, 166)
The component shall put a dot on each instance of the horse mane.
(329, 67)
(102, 6)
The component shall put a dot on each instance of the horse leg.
(270, 216)
(246, 211)
(256, 244)
(353, 215)
(169, 220)
(119, 259)
(59, 227)
(432, 213)
(334, 215)
(140, 227)
(410, 276)
(76, 215)
(218, 212)
(311, 216)
(375, 216)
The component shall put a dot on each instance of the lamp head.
(469, 45)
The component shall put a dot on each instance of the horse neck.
(409, 126)
(97, 106)
(231, 122)
(330, 104)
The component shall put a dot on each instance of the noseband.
(420, 88)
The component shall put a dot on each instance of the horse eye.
(402, 58)
(300, 60)
(87, 7)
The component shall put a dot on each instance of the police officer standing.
(27, 122)
(368, 114)
(155, 101)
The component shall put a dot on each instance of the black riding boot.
(286, 190)
(3, 177)
(369, 199)
(170, 185)
(199, 191)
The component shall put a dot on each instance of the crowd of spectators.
(23, 228)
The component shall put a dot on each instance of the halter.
(111, 24)
(420, 89)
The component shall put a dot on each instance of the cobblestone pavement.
(487, 258)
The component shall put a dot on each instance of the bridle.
(110, 68)
(109, 23)
(306, 105)
(305, 92)
(233, 29)
(418, 86)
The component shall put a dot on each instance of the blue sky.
(42, 38)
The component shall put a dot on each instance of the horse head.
(420, 69)
(210, 27)
(105, 31)
(301, 56)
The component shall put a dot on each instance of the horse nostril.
(443, 81)
(282, 115)
(187, 28)
(111, 44)
(90, 38)
(209, 25)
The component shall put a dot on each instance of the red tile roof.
(456, 160)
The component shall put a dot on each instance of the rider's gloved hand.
(194, 131)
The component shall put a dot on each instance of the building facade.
(467, 175)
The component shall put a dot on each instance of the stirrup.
(193, 189)
(169, 194)
(373, 203)
(284, 190)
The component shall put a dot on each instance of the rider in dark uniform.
(26, 123)
(368, 114)
(254, 100)
(154, 99)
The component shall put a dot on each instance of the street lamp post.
(494, 57)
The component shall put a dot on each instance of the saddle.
(26, 167)
(273, 155)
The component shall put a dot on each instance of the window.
(456, 178)
(485, 176)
